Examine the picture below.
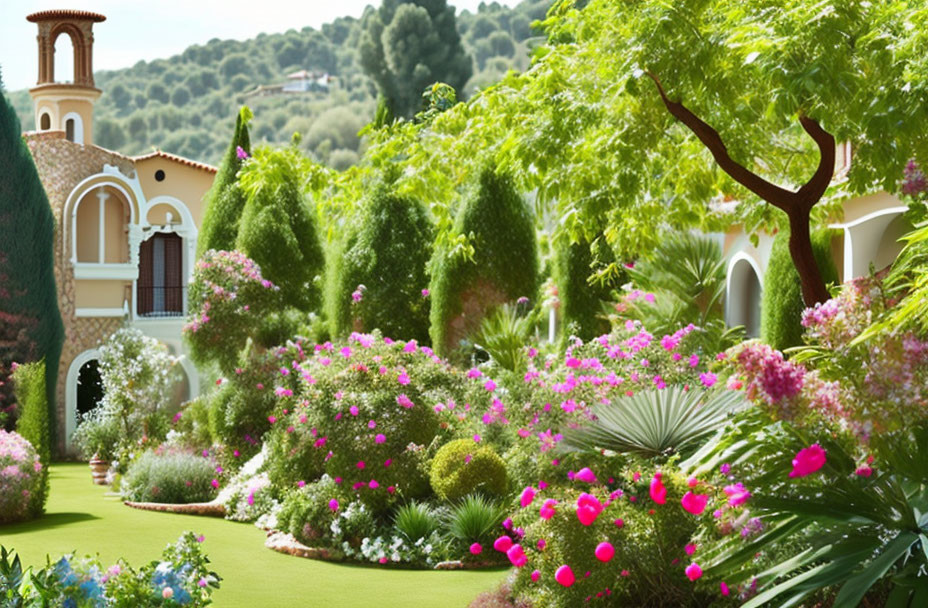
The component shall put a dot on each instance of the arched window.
(45, 122)
(66, 59)
(74, 127)
(100, 228)
(69, 129)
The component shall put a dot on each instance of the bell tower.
(60, 105)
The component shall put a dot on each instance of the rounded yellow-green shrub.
(463, 467)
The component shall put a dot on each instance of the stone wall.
(62, 165)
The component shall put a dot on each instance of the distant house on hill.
(126, 226)
(302, 81)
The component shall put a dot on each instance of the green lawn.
(82, 519)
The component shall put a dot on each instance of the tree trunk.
(796, 205)
(800, 250)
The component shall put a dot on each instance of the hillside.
(186, 104)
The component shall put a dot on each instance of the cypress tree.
(782, 305)
(504, 267)
(581, 303)
(226, 200)
(30, 323)
(278, 228)
(388, 252)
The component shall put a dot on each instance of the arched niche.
(100, 220)
(71, 392)
(65, 62)
(744, 291)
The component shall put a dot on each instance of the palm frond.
(654, 422)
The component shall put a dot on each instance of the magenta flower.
(536, 574)
(724, 589)
(565, 576)
(588, 508)
(403, 378)
(380, 438)
(585, 475)
(489, 385)
(708, 379)
(215, 483)
(241, 153)
(693, 571)
(425, 293)
(547, 509)
(517, 556)
(657, 489)
(502, 544)
(690, 549)
(528, 495)
(808, 460)
(737, 494)
(404, 401)
(604, 551)
(694, 503)
(333, 505)
(476, 549)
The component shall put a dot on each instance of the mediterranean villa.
(126, 226)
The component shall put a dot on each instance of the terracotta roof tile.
(65, 14)
(177, 159)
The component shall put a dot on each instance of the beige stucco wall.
(188, 184)
(115, 233)
(100, 293)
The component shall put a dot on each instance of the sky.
(145, 30)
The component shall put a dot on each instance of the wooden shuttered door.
(161, 283)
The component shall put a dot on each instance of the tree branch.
(814, 189)
(773, 194)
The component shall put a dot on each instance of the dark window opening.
(159, 175)
(45, 123)
(89, 388)
(161, 284)
(69, 129)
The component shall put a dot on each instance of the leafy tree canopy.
(409, 44)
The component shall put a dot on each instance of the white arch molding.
(743, 292)
(70, 393)
(863, 239)
(78, 126)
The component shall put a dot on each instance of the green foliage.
(504, 267)
(657, 422)
(649, 546)
(170, 477)
(278, 227)
(229, 302)
(462, 467)
(580, 294)
(97, 434)
(476, 519)
(225, 200)
(306, 512)
(503, 334)
(387, 252)
(415, 520)
(181, 573)
(267, 59)
(33, 424)
(30, 324)
(782, 306)
(409, 44)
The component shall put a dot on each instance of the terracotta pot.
(99, 468)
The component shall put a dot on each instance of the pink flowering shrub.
(20, 478)
(608, 543)
(369, 412)
(228, 300)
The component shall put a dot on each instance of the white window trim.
(78, 126)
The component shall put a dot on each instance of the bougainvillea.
(228, 298)
(21, 478)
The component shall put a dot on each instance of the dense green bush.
(582, 302)
(278, 227)
(225, 200)
(387, 252)
(476, 519)
(307, 513)
(33, 425)
(174, 477)
(647, 568)
(504, 266)
(463, 467)
(368, 410)
(782, 306)
(228, 300)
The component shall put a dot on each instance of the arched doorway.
(744, 295)
(89, 387)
